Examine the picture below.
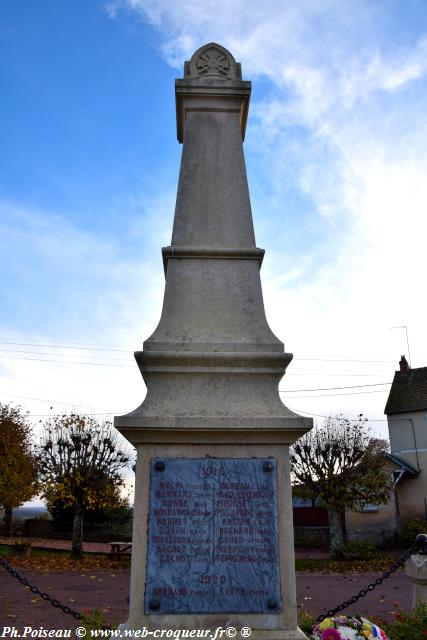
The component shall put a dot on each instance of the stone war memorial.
(213, 532)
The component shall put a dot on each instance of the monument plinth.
(213, 535)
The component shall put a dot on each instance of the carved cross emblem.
(213, 62)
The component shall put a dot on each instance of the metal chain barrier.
(55, 603)
(420, 546)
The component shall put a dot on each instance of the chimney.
(404, 366)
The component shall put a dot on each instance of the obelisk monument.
(213, 533)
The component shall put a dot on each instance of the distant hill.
(23, 513)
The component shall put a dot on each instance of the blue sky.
(336, 153)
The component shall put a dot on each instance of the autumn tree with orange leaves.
(18, 467)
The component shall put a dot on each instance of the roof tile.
(408, 392)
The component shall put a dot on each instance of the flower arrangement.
(347, 628)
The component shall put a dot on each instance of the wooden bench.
(119, 548)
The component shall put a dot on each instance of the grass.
(5, 550)
(47, 560)
(371, 565)
(60, 559)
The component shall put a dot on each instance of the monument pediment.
(212, 61)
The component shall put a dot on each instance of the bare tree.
(340, 463)
(81, 462)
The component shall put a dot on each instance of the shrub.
(358, 550)
(94, 620)
(305, 620)
(409, 530)
(408, 625)
(100, 524)
(117, 521)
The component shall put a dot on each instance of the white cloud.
(71, 289)
(343, 126)
(325, 51)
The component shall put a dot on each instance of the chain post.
(421, 542)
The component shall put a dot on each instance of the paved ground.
(319, 592)
(103, 590)
(106, 589)
(107, 592)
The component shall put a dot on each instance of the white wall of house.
(375, 525)
(408, 441)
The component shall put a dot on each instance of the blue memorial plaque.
(213, 536)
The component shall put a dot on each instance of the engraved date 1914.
(213, 470)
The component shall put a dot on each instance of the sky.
(336, 154)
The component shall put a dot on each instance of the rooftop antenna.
(407, 340)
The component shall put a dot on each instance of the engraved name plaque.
(213, 536)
